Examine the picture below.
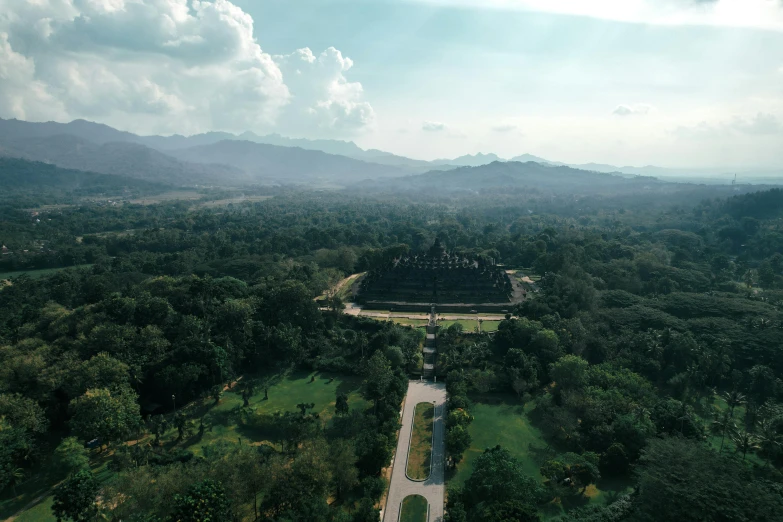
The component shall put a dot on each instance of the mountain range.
(40, 178)
(196, 160)
(118, 158)
(221, 157)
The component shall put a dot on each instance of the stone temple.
(441, 278)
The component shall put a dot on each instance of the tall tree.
(204, 501)
(699, 484)
(378, 379)
(75, 499)
(70, 456)
(110, 416)
(497, 478)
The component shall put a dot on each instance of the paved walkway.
(433, 489)
(354, 309)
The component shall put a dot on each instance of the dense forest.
(649, 354)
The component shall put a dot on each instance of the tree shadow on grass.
(574, 501)
(615, 487)
(226, 417)
(29, 494)
(298, 375)
(551, 509)
(500, 399)
(541, 454)
(347, 386)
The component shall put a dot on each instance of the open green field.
(502, 419)
(171, 195)
(232, 201)
(225, 422)
(33, 499)
(409, 322)
(35, 274)
(414, 509)
(469, 325)
(420, 451)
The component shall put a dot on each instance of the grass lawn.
(414, 509)
(503, 419)
(227, 422)
(469, 325)
(409, 322)
(490, 326)
(230, 423)
(420, 451)
(34, 497)
(35, 274)
(39, 512)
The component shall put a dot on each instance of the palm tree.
(744, 441)
(769, 438)
(16, 476)
(685, 415)
(721, 425)
(696, 380)
(734, 399)
(640, 412)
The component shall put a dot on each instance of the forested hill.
(23, 175)
(86, 130)
(513, 175)
(97, 148)
(118, 158)
(533, 179)
(286, 164)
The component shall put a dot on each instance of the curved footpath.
(433, 489)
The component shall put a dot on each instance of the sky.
(676, 83)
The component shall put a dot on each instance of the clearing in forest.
(503, 419)
(420, 451)
(470, 325)
(414, 509)
(228, 421)
(39, 272)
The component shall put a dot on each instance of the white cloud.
(762, 124)
(632, 110)
(766, 14)
(433, 126)
(504, 128)
(21, 94)
(166, 66)
(322, 94)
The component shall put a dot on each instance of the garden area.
(227, 421)
(414, 509)
(470, 325)
(405, 321)
(501, 419)
(205, 423)
(420, 451)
